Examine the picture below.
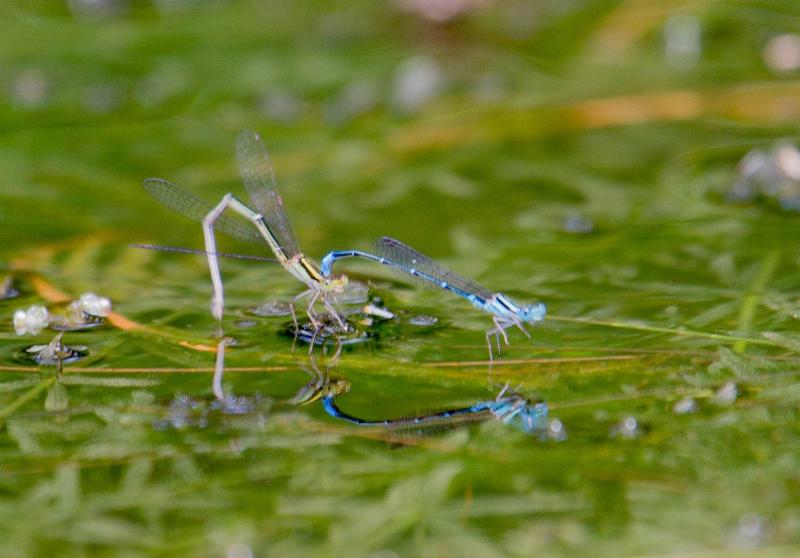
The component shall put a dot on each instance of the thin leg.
(229, 201)
(313, 340)
(334, 313)
(502, 392)
(489, 344)
(219, 369)
(501, 326)
(296, 326)
(521, 328)
(310, 310)
(335, 358)
(217, 297)
(294, 318)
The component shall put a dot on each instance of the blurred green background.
(632, 164)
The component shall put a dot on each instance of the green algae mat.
(633, 165)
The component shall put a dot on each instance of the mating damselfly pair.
(269, 223)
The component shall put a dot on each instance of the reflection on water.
(185, 411)
(508, 407)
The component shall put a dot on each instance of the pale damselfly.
(270, 222)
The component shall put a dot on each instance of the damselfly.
(507, 407)
(404, 259)
(270, 222)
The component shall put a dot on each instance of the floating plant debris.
(56, 353)
(423, 320)
(7, 289)
(373, 309)
(31, 321)
(328, 333)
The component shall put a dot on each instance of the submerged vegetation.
(631, 164)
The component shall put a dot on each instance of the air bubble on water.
(556, 431)
(685, 406)
(782, 53)
(417, 81)
(30, 88)
(726, 394)
(751, 531)
(626, 429)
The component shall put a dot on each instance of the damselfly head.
(534, 416)
(533, 312)
(336, 284)
(337, 387)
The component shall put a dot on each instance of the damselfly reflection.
(269, 224)
(508, 407)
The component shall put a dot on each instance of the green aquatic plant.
(669, 355)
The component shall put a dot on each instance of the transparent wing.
(408, 258)
(194, 208)
(259, 180)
